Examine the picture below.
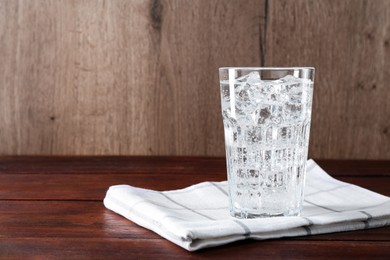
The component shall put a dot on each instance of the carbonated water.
(267, 126)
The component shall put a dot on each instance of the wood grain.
(94, 186)
(114, 248)
(140, 77)
(85, 219)
(88, 178)
(119, 77)
(51, 207)
(348, 43)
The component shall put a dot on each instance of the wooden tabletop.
(51, 207)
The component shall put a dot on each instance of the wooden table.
(51, 207)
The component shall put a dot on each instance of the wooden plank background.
(138, 77)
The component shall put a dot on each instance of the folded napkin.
(198, 216)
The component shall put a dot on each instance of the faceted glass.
(266, 116)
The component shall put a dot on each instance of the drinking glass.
(266, 116)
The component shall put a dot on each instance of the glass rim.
(267, 68)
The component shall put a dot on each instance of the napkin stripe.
(320, 206)
(192, 188)
(307, 228)
(367, 214)
(153, 203)
(129, 210)
(245, 227)
(112, 200)
(172, 208)
(322, 191)
(366, 222)
(219, 188)
(308, 220)
(374, 206)
(183, 206)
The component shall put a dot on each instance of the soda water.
(267, 125)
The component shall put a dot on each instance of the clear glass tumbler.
(266, 116)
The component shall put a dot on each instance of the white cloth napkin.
(197, 217)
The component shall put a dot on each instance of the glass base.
(245, 214)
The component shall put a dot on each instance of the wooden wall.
(126, 77)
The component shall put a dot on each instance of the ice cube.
(292, 111)
(277, 116)
(245, 98)
(254, 78)
(253, 135)
(287, 79)
(242, 92)
(260, 116)
(251, 78)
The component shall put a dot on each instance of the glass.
(266, 116)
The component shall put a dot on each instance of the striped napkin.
(197, 217)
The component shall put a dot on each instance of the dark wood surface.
(51, 207)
